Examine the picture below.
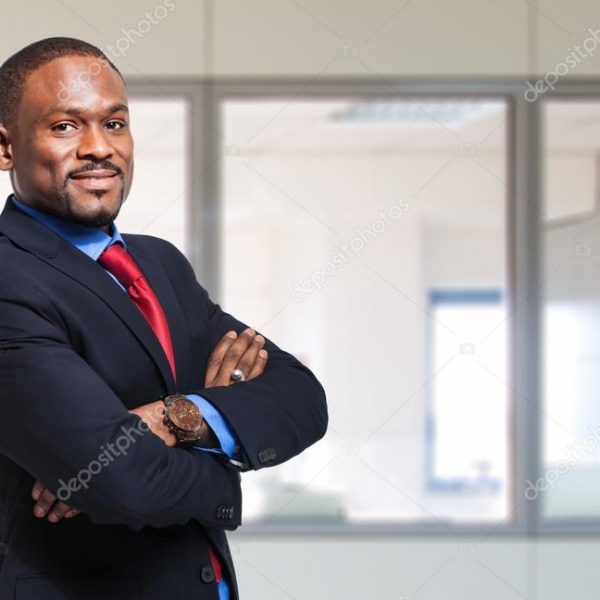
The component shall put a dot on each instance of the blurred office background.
(404, 194)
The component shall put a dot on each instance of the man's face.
(70, 150)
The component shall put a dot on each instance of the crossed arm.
(58, 416)
(243, 352)
(57, 412)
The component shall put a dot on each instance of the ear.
(6, 160)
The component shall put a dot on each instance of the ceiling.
(286, 125)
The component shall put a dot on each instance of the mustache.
(95, 166)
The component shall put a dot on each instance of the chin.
(97, 211)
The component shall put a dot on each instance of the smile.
(100, 179)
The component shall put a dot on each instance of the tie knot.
(116, 260)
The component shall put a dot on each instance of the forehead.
(86, 81)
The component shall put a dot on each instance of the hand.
(46, 503)
(152, 415)
(244, 352)
(232, 352)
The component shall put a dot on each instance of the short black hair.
(15, 70)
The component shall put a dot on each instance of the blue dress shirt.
(93, 242)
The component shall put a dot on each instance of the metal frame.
(202, 147)
(523, 246)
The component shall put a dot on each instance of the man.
(121, 436)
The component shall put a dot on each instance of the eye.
(62, 127)
(119, 124)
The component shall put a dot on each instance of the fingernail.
(259, 338)
(53, 518)
(39, 511)
(263, 354)
(231, 334)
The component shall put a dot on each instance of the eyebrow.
(77, 110)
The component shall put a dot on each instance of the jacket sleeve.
(274, 416)
(63, 424)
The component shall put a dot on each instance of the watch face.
(185, 414)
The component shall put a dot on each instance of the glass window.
(340, 218)
(464, 458)
(159, 200)
(569, 483)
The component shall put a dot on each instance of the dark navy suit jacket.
(75, 356)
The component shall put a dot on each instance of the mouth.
(100, 179)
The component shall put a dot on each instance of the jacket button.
(221, 512)
(207, 575)
(266, 455)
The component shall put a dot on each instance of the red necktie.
(116, 260)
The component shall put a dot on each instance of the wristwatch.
(183, 418)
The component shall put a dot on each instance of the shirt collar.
(89, 240)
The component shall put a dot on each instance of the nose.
(94, 144)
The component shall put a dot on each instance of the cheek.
(126, 154)
(52, 170)
(48, 163)
(124, 149)
(33, 169)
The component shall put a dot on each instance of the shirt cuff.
(228, 441)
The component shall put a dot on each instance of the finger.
(36, 490)
(152, 414)
(44, 504)
(259, 364)
(248, 359)
(58, 511)
(216, 358)
(72, 513)
(233, 356)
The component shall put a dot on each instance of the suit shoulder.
(143, 240)
(14, 262)
(160, 249)
(152, 243)
(5, 244)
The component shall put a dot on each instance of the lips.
(100, 179)
(97, 174)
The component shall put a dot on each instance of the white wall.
(173, 45)
(312, 38)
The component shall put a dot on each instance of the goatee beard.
(101, 219)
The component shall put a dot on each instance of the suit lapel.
(34, 237)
